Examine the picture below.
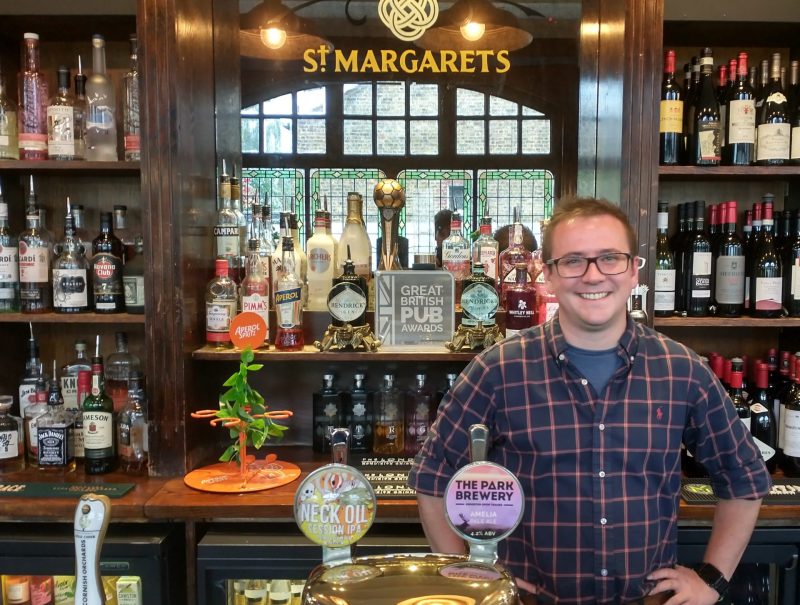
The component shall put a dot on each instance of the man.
(441, 224)
(589, 410)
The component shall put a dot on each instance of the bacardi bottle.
(109, 294)
(9, 264)
(254, 291)
(98, 425)
(34, 265)
(328, 414)
(389, 421)
(358, 415)
(288, 303)
(220, 306)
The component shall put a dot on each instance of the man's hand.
(687, 587)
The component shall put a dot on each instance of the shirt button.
(604, 572)
(603, 521)
(561, 357)
(633, 358)
(584, 382)
(602, 426)
(602, 473)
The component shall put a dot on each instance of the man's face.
(591, 308)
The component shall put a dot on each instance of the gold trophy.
(390, 197)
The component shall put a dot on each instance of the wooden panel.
(753, 342)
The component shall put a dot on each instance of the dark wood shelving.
(724, 322)
(699, 173)
(310, 354)
(72, 318)
(40, 167)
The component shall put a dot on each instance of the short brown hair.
(584, 207)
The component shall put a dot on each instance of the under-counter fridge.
(140, 564)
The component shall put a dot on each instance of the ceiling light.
(273, 31)
(473, 31)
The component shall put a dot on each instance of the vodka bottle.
(322, 262)
(33, 96)
(61, 120)
(101, 121)
(9, 264)
(456, 256)
(131, 125)
(9, 127)
(388, 430)
(70, 272)
(485, 250)
(254, 291)
(55, 432)
(118, 369)
(34, 265)
(81, 109)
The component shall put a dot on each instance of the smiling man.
(589, 410)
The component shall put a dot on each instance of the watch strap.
(713, 577)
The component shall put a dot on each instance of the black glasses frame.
(589, 261)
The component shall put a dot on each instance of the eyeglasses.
(612, 263)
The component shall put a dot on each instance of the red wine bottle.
(741, 119)
(766, 279)
(794, 108)
(789, 436)
(670, 130)
(735, 391)
(690, 94)
(791, 268)
(774, 129)
(697, 266)
(762, 420)
(729, 264)
(707, 128)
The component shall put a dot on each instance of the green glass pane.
(283, 189)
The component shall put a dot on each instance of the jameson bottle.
(9, 128)
(109, 293)
(55, 432)
(9, 264)
(61, 120)
(70, 272)
(388, 429)
(328, 414)
(98, 425)
(33, 96)
(288, 303)
(101, 119)
(34, 265)
(670, 131)
(347, 299)
(729, 263)
(358, 415)
(520, 302)
(479, 299)
(419, 415)
(664, 295)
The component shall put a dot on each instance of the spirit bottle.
(34, 265)
(69, 376)
(255, 592)
(347, 299)
(485, 250)
(388, 430)
(220, 306)
(288, 303)
(327, 410)
(355, 235)
(515, 253)
(241, 220)
(254, 290)
(419, 414)
(101, 121)
(322, 262)
(27, 383)
(109, 295)
(456, 256)
(9, 128)
(31, 417)
(70, 272)
(300, 258)
(18, 590)
(520, 302)
(479, 299)
(84, 390)
(123, 232)
(131, 126)
(280, 592)
(226, 231)
(118, 369)
(637, 312)
(98, 424)
(81, 109)
(82, 234)
(61, 121)
(266, 247)
(451, 378)
(9, 264)
(33, 96)
(358, 415)
(133, 279)
(55, 432)
(12, 438)
(132, 429)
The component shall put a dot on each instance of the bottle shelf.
(72, 318)
(57, 166)
(311, 354)
(699, 173)
(725, 322)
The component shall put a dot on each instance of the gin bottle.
(347, 299)
(34, 265)
(9, 128)
(70, 272)
(130, 120)
(9, 264)
(33, 96)
(327, 410)
(456, 256)
(515, 253)
(358, 415)
(61, 120)
(12, 438)
(485, 250)
(101, 121)
(419, 414)
(132, 428)
(479, 299)
(389, 421)
(520, 302)
(55, 432)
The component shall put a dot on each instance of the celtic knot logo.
(408, 19)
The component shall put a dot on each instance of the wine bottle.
(791, 268)
(766, 281)
(722, 99)
(713, 225)
(729, 263)
(670, 131)
(789, 436)
(741, 119)
(794, 107)
(688, 110)
(735, 392)
(676, 244)
(697, 266)
(762, 420)
(664, 297)
(773, 120)
(707, 130)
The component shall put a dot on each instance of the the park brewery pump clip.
(484, 504)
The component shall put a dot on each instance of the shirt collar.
(627, 347)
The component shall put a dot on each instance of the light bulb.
(473, 31)
(273, 37)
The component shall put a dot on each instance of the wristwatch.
(713, 577)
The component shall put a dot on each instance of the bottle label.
(487, 255)
(219, 314)
(456, 260)
(288, 307)
(69, 288)
(9, 269)
(709, 138)
(256, 303)
(227, 238)
(741, 122)
(768, 293)
(520, 310)
(54, 447)
(347, 302)
(32, 141)
(773, 142)
(134, 290)
(479, 304)
(730, 280)
(665, 280)
(664, 301)
(9, 444)
(80, 450)
(107, 281)
(320, 261)
(60, 130)
(98, 434)
(34, 264)
(27, 396)
(795, 283)
(69, 391)
(132, 142)
(671, 117)
(795, 143)
(791, 433)
(701, 275)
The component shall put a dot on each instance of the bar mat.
(783, 491)
(387, 475)
(31, 489)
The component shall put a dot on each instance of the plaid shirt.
(601, 474)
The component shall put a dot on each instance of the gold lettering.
(348, 63)
(467, 59)
(429, 62)
(370, 63)
(404, 64)
(484, 55)
(309, 60)
(503, 64)
(448, 58)
(389, 61)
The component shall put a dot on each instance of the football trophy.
(390, 197)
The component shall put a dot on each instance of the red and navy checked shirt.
(601, 473)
